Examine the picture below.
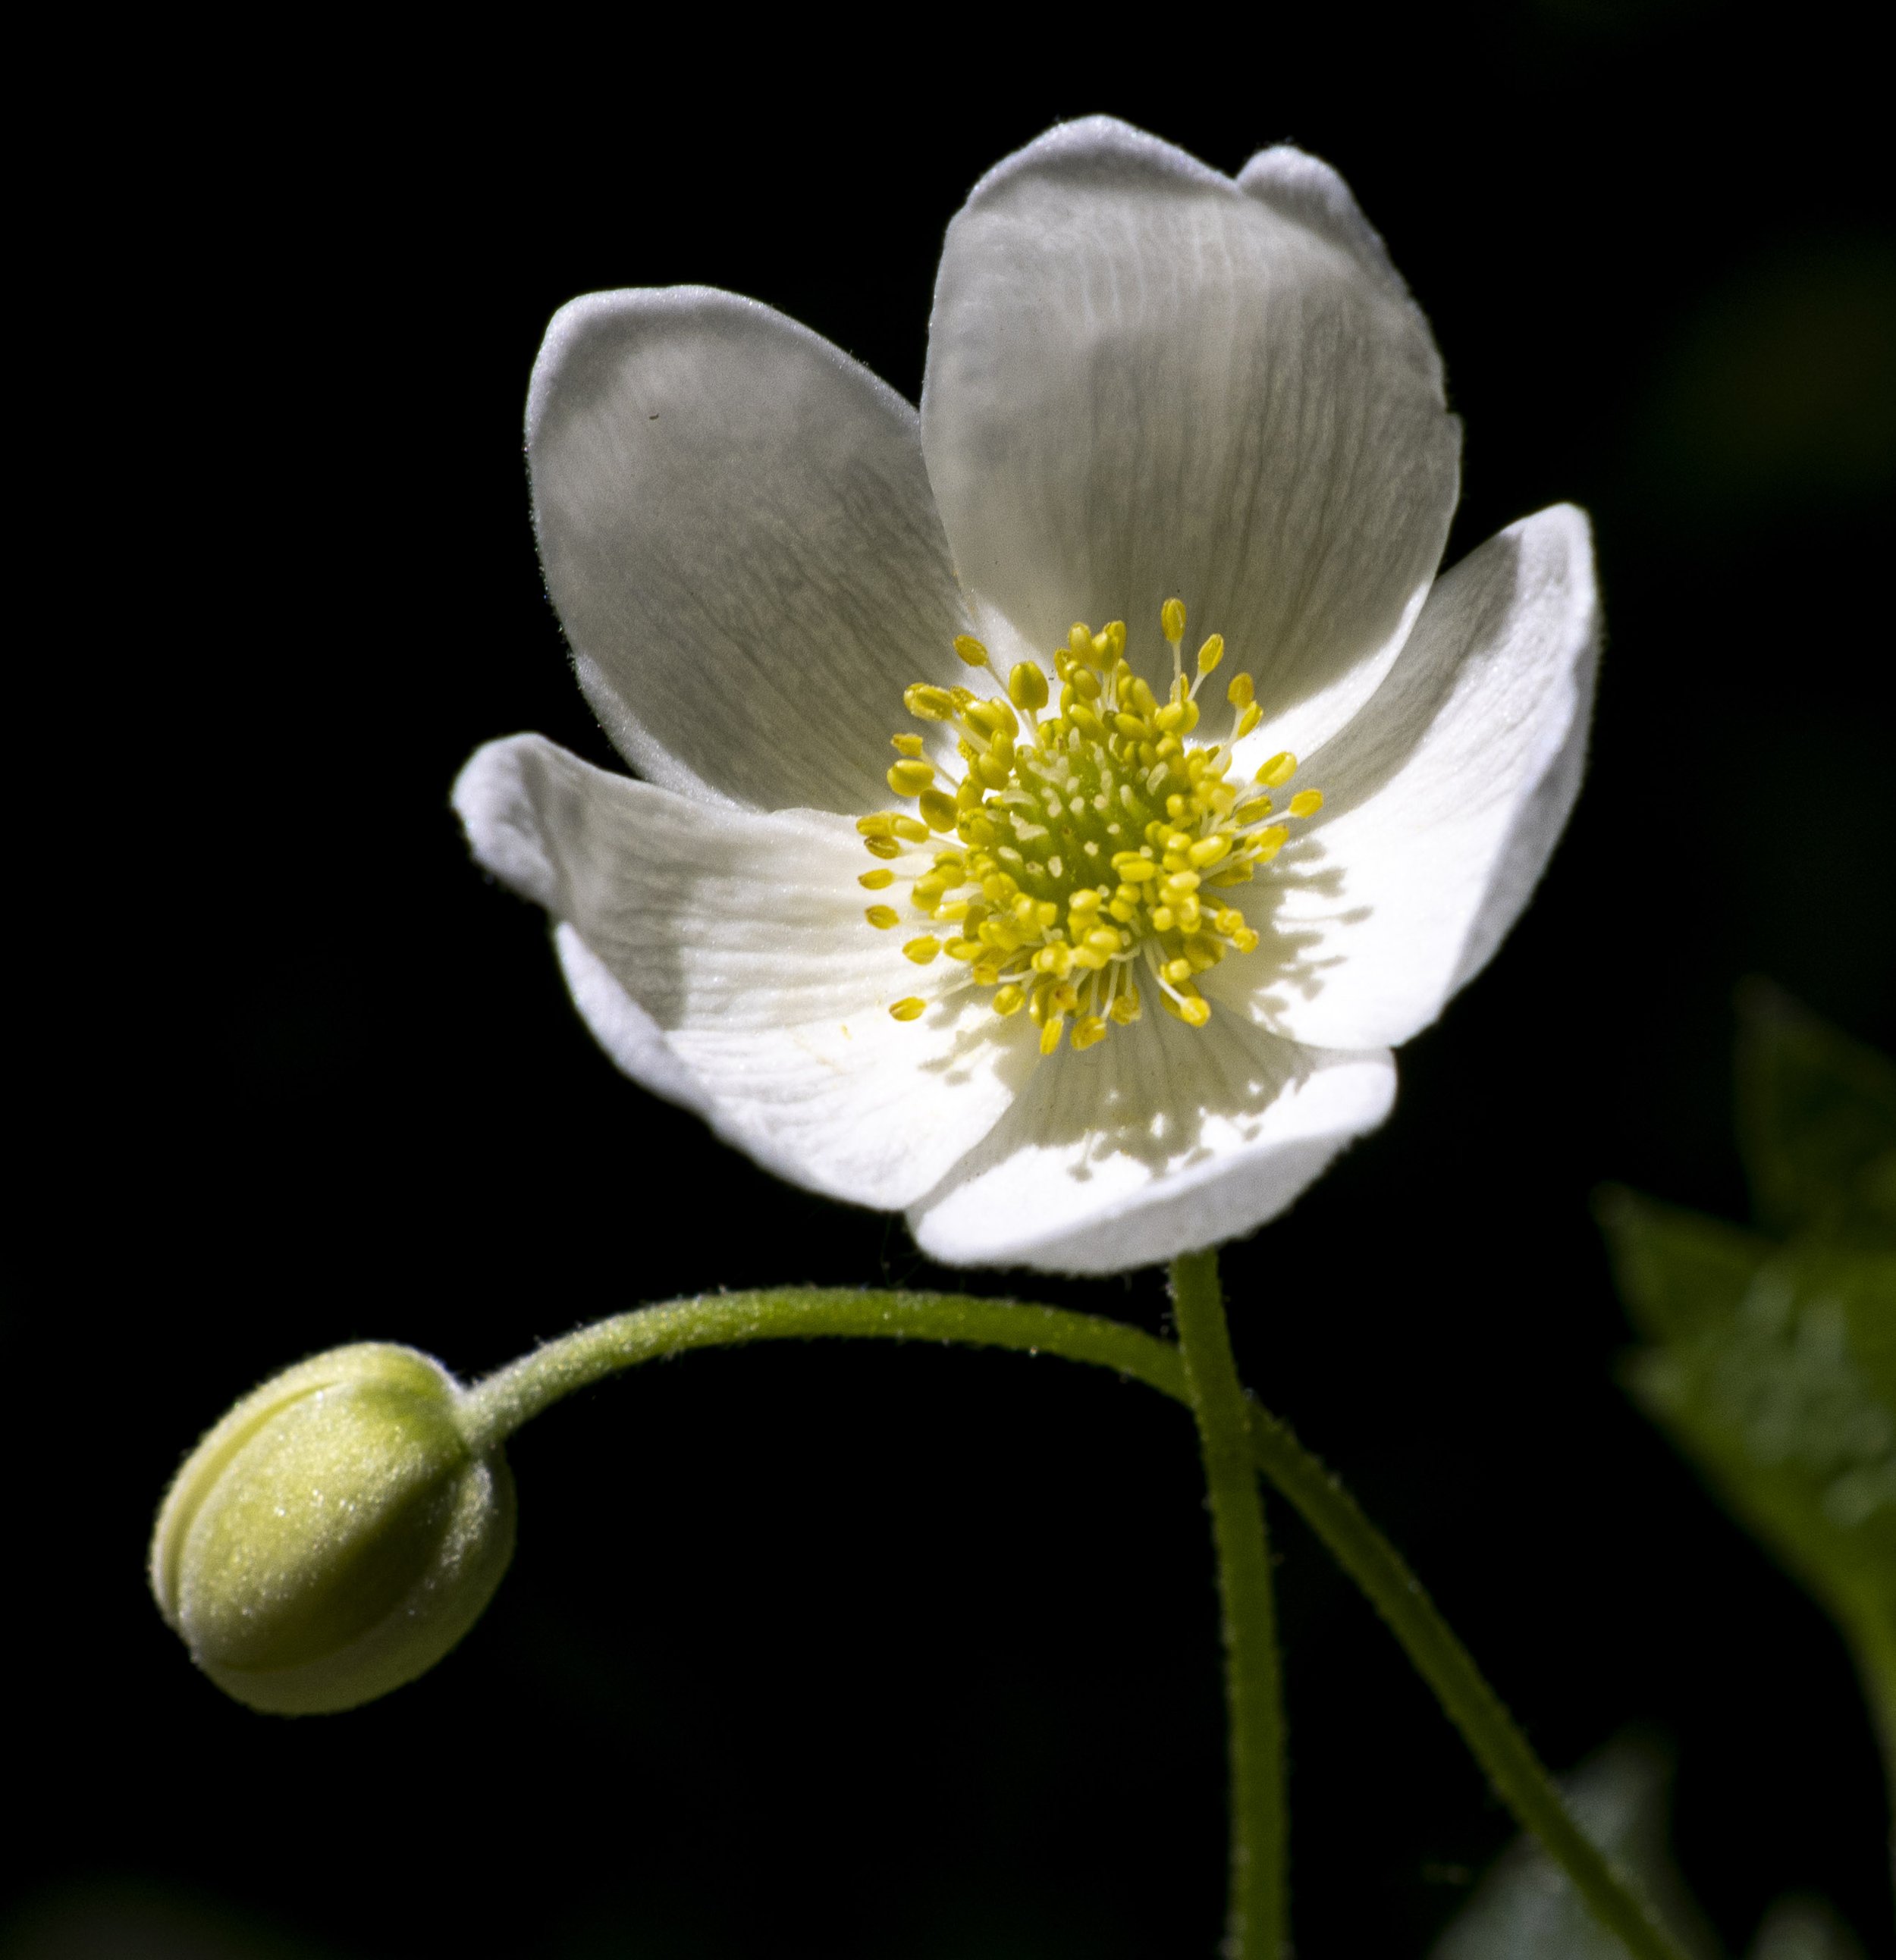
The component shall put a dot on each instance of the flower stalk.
(493, 1409)
(1257, 1920)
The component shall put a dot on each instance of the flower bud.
(334, 1535)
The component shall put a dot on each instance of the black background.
(851, 1651)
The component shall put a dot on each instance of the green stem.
(1487, 1728)
(1258, 1919)
(493, 1409)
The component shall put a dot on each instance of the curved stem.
(1257, 1921)
(493, 1409)
(1487, 1728)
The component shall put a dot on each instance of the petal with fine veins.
(738, 532)
(723, 961)
(1443, 798)
(1160, 1140)
(1144, 382)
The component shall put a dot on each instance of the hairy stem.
(1257, 1921)
(493, 1409)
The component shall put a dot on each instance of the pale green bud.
(334, 1535)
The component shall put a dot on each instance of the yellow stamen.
(1026, 688)
(909, 1009)
(1081, 848)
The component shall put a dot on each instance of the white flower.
(1147, 384)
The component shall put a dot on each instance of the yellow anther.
(1026, 688)
(1306, 802)
(1084, 842)
(1278, 771)
(939, 810)
(908, 1009)
(928, 704)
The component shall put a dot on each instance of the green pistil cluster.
(1089, 841)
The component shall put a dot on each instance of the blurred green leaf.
(1679, 1273)
(1772, 1365)
(1525, 1909)
(1817, 1119)
(1804, 1929)
(1789, 1407)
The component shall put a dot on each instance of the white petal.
(738, 532)
(1144, 382)
(1159, 1140)
(1305, 190)
(1443, 799)
(722, 958)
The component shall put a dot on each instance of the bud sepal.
(334, 1535)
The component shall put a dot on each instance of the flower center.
(1083, 849)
